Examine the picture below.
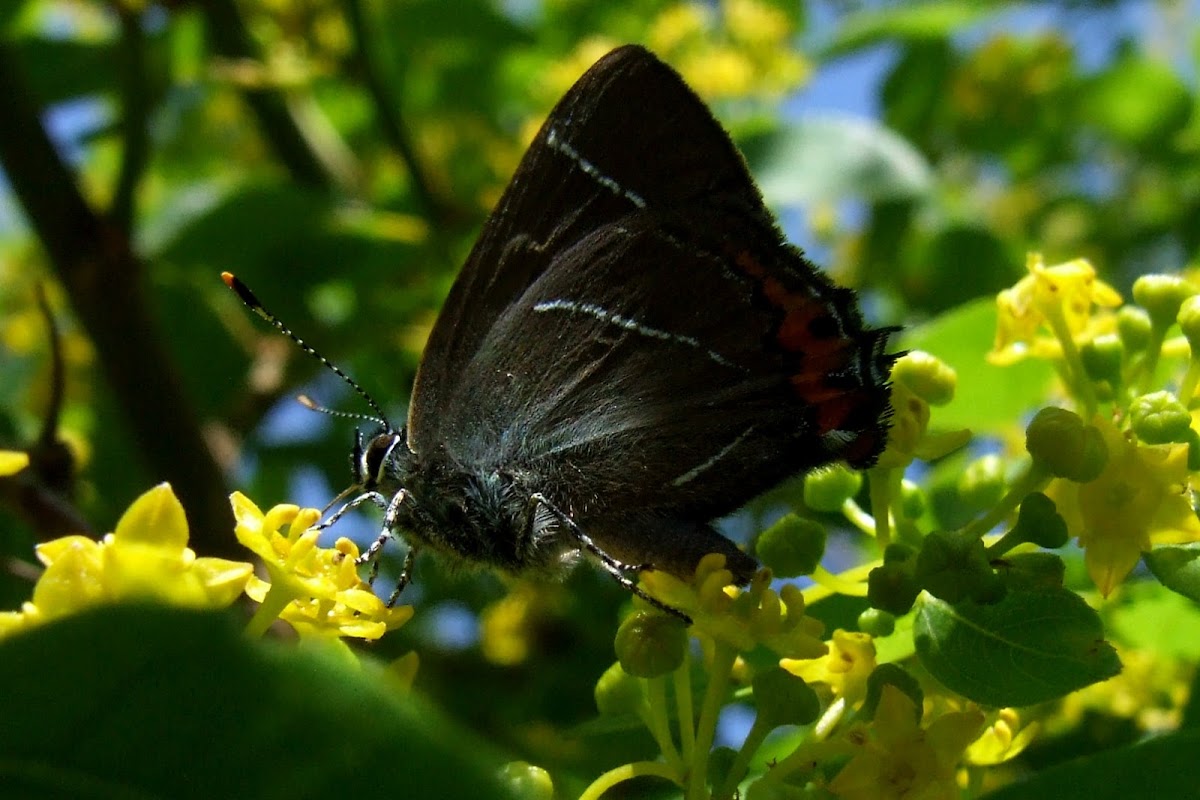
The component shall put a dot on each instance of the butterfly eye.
(372, 462)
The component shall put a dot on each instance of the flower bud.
(1058, 441)
(792, 546)
(650, 644)
(892, 587)
(1102, 358)
(1159, 418)
(1039, 522)
(1189, 323)
(827, 489)
(892, 675)
(617, 692)
(527, 781)
(876, 623)
(784, 699)
(1162, 296)
(929, 378)
(1133, 326)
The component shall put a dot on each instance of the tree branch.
(104, 279)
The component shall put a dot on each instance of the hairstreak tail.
(630, 352)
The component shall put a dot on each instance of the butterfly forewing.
(600, 155)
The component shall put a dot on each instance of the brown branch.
(395, 132)
(105, 282)
(285, 134)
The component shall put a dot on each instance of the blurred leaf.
(987, 397)
(1160, 767)
(830, 158)
(1137, 101)
(1154, 618)
(152, 702)
(993, 655)
(960, 263)
(906, 22)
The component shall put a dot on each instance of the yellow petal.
(12, 462)
(155, 518)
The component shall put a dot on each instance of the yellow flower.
(897, 758)
(1139, 499)
(12, 462)
(910, 437)
(845, 669)
(740, 618)
(145, 558)
(1059, 299)
(1001, 741)
(316, 590)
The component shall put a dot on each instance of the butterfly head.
(370, 458)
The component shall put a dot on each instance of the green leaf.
(1177, 566)
(1160, 768)
(139, 702)
(1138, 101)
(828, 158)
(988, 397)
(906, 22)
(1153, 618)
(1030, 647)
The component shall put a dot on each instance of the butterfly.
(631, 351)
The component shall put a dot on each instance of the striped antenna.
(246, 296)
(312, 405)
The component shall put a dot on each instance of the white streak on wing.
(836, 440)
(592, 170)
(593, 310)
(694, 472)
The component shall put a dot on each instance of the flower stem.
(880, 480)
(278, 596)
(683, 703)
(714, 696)
(656, 721)
(1032, 480)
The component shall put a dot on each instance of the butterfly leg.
(390, 517)
(375, 497)
(618, 569)
(410, 559)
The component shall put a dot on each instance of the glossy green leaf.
(138, 702)
(988, 397)
(1161, 768)
(1030, 647)
(828, 158)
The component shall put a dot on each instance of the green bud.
(927, 376)
(1030, 571)
(912, 500)
(827, 489)
(1159, 418)
(1133, 326)
(892, 588)
(527, 781)
(783, 699)
(951, 565)
(891, 674)
(1039, 522)
(792, 546)
(618, 693)
(982, 483)
(877, 623)
(650, 644)
(1189, 323)
(1162, 296)
(1058, 441)
(1102, 358)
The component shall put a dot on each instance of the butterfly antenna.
(246, 296)
(312, 405)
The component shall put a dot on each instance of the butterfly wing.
(667, 151)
